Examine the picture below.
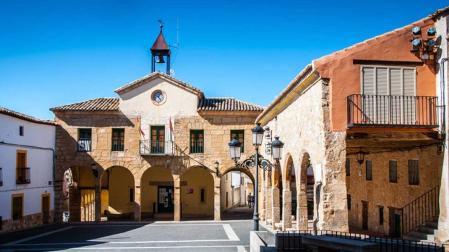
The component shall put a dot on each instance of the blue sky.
(60, 52)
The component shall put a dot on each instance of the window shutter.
(369, 90)
(393, 171)
(368, 81)
(409, 106)
(413, 172)
(382, 103)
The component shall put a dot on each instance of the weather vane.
(161, 23)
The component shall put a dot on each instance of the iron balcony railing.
(84, 145)
(23, 175)
(392, 111)
(148, 147)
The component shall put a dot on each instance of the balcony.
(392, 111)
(84, 145)
(156, 148)
(23, 175)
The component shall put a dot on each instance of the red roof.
(160, 44)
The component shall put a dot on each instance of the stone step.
(415, 235)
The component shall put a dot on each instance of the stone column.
(137, 201)
(287, 209)
(98, 198)
(177, 197)
(217, 199)
(59, 201)
(268, 197)
(301, 212)
(275, 210)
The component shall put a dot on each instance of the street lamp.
(255, 161)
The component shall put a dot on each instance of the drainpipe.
(443, 97)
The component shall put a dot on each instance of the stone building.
(363, 141)
(27, 146)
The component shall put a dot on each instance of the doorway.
(45, 208)
(165, 199)
(395, 222)
(364, 215)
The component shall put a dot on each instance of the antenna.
(161, 23)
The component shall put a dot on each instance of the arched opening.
(306, 193)
(290, 178)
(117, 194)
(79, 194)
(157, 194)
(197, 194)
(237, 194)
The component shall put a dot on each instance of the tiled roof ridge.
(25, 117)
(227, 104)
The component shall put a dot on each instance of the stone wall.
(27, 221)
(380, 192)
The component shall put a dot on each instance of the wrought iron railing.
(23, 175)
(84, 145)
(392, 111)
(421, 210)
(297, 241)
(148, 147)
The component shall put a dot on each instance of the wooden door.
(45, 209)
(364, 215)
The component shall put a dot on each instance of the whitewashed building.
(26, 170)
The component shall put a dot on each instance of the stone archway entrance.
(157, 194)
(197, 194)
(306, 194)
(79, 194)
(117, 194)
(236, 188)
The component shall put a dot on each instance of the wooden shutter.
(409, 104)
(382, 103)
(413, 172)
(369, 90)
(369, 170)
(393, 171)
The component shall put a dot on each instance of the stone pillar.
(263, 198)
(98, 199)
(217, 199)
(59, 201)
(177, 197)
(275, 209)
(301, 212)
(286, 209)
(268, 197)
(137, 201)
(442, 233)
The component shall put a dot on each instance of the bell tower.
(160, 51)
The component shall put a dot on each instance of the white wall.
(179, 103)
(40, 162)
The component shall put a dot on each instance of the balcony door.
(389, 95)
(158, 139)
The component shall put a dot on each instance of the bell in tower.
(160, 52)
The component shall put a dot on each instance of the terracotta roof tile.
(98, 104)
(21, 116)
(226, 104)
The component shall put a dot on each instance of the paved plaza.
(230, 235)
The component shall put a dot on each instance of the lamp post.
(256, 161)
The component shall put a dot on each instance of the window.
(196, 141)
(22, 171)
(118, 139)
(17, 207)
(369, 170)
(202, 195)
(413, 172)
(381, 215)
(389, 81)
(21, 130)
(84, 139)
(239, 135)
(349, 201)
(348, 167)
(131, 194)
(1, 176)
(393, 171)
(157, 139)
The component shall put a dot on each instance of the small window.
(118, 139)
(393, 171)
(84, 139)
(349, 201)
(196, 141)
(17, 207)
(381, 215)
(369, 170)
(413, 172)
(239, 135)
(348, 167)
(21, 130)
(131, 194)
(202, 195)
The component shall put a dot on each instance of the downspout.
(38, 148)
(442, 98)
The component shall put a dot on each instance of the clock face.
(158, 97)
